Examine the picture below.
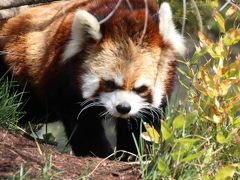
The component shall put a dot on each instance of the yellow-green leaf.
(220, 21)
(151, 135)
(162, 168)
(231, 11)
(187, 143)
(236, 123)
(220, 137)
(167, 133)
(226, 172)
(191, 118)
(214, 3)
(204, 40)
(199, 53)
(206, 177)
(192, 156)
(178, 122)
(224, 86)
(201, 89)
(178, 154)
(187, 120)
(232, 37)
(208, 156)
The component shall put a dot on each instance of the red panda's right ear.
(84, 27)
(168, 30)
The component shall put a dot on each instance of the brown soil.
(17, 151)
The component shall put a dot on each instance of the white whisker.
(142, 112)
(88, 100)
(105, 113)
(93, 104)
(156, 111)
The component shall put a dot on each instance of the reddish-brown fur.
(33, 44)
(56, 20)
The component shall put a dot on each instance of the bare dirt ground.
(18, 152)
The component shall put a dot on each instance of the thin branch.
(233, 4)
(97, 166)
(145, 22)
(225, 5)
(229, 2)
(111, 13)
(184, 17)
(199, 18)
(129, 5)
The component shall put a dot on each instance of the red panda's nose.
(123, 108)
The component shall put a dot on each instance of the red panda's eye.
(110, 85)
(141, 89)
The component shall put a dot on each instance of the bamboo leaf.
(191, 118)
(231, 11)
(178, 122)
(220, 21)
(226, 172)
(232, 37)
(166, 132)
(204, 40)
(162, 168)
(220, 137)
(192, 157)
(151, 135)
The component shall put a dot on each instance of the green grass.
(10, 104)
(200, 135)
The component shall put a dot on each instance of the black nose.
(123, 108)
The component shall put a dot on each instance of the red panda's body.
(96, 73)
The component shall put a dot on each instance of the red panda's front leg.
(86, 134)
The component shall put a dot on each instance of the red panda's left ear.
(168, 31)
(84, 27)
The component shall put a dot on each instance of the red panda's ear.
(85, 26)
(168, 31)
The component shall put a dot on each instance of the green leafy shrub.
(200, 138)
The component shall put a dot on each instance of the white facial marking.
(109, 126)
(157, 89)
(112, 99)
(168, 30)
(90, 84)
(160, 82)
(158, 93)
(84, 24)
(119, 80)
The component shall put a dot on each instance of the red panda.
(100, 66)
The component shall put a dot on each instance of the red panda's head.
(130, 67)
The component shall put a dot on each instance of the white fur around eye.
(158, 94)
(90, 85)
(117, 79)
(142, 82)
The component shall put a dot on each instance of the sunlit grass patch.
(200, 136)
